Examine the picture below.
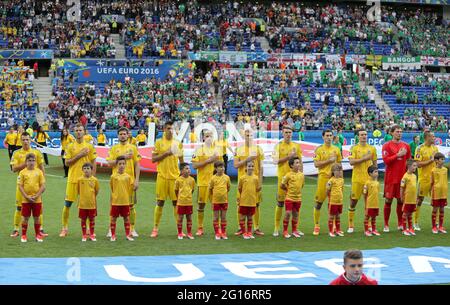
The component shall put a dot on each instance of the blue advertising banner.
(396, 266)
(99, 74)
(26, 54)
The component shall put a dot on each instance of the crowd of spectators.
(172, 28)
(404, 85)
(44, 25)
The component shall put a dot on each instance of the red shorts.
(220, 206)
(120, 210)
(439, 203)
(292, 205)
(334, 209)
(87, 213)
(248, 211)
(184, 209)
(408, 208)
(31, 208)
(392, 191)
(372, 212)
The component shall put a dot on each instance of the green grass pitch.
(167, 243)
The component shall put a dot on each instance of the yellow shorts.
(18, 197)
(165, 188)
(424, 188)
(281, 194)
(321, 193)
(202, 194)
(71, 192)
(357, 190)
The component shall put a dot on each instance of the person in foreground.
(353, 266)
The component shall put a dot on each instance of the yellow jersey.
(243, 152)
(132, 141)
(440, 185)
(19, 140)
(282, 150)
(41, 137)
(424, 153)
(65, 142)
(88, 138)
(336, 187)
(120, 150)
(218, 187)
(359, 172)
(121, 189)
(20, 155)
(409, 183)
(11, 138)
(101, 138)
(323, 153)
(76, 169)
(168, 167)
(248, 186)
(141, 138)
(184, 187)
(222, 146)
(31, 181)
(205, 173)
(87, 192)
(192, 137)
(371, 188)
(294, 183)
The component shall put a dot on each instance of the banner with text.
(396, 266)
(168, 68)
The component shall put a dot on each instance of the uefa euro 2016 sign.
(168, 68)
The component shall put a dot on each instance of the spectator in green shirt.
(337, 143)
(301, 135)
(388, 135)
(413, 144)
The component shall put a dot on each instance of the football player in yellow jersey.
(439, 191)
(18, 163)
(31, 184)
(222, 146)
(243, 154)
(167, 152)
(408, 192)
(219, 187)
(371, 196)
(283, 151)
(101, 138)
(248, 188)
(203, 161)
(10, 141)
(184, 188)
(132, 168)
(19, 137)
(424, 155)
(362, 155)
(141, 138)
(324, 157)
(87, 137)
(293, 183)
(77, 154)
(131, 140)
(121, 188)
(66, 139)
(335, 192)
(87, 191)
